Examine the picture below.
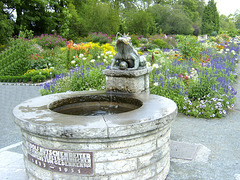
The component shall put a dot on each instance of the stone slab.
(126, 73)
(12, 166)
(237, 176)
(183, 150)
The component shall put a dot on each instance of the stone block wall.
(128, 81)
(131, 157)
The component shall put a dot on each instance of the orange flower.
(70, 44)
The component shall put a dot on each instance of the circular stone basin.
(95, 105)
(118, 136)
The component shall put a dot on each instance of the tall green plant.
(14, 60)
(210, 19)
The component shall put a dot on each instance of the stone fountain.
(122, 133)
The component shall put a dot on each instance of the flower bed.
(201, 87)
(198, 76)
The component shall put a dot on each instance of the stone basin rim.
(35, 116)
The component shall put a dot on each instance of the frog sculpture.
(127, 57)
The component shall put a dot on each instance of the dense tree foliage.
(227, 24)
(6, 25)
(210, 19)
(73, 18)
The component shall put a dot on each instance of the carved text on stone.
(60, 160)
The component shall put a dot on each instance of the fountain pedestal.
(129, 145)
(136, 81)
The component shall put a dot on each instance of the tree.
(190, 7)
(236, 18)
(160, 14)
(210, 19)
(99, 17)
(171, 19)
(139, 22)
(227, 23)
(6, 25)
(178, 23)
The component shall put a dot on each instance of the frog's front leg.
(135, 60)
(115, 62)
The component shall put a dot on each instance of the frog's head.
(124, 42)
(124, 39)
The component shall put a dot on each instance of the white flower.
(102, 54)
(108, 52)
(73, 56)
(84, 58)
(104, 60)
(233, 52)
(155, 66)
(92, 60)
(110, 55)
(73, 62)
(81, 55)
(98, 57)
(155, 84)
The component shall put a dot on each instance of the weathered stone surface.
(116, 167)
(128, 81)
(35, 116)
(125, 153)
(121, 73)
(130, 145)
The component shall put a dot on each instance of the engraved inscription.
(60, 160)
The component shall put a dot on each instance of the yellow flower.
(108, 48)
(63, 49)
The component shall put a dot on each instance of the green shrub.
(143, 40)
(14, 79)
(13, 60)
(135, 41)
(38, 78)
(161, 43)
(199, 90)
(37, 62)
(148, 46)
(190, 47)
